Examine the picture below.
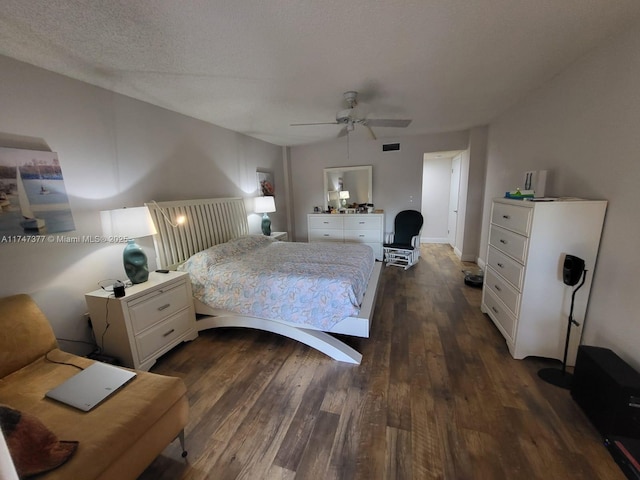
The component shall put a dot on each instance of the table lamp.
(265, 205)
(131, 223)
(344, 196)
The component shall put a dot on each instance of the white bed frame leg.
(321, 341)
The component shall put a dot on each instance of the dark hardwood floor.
(437, 396)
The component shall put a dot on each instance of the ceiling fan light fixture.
(351, 116)
(344, 116)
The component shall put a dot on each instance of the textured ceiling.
(255, 66)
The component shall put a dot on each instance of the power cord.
(94, 344)
(107, 324)
(46, 356)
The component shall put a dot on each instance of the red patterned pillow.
(33, 447)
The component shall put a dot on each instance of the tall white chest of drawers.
(523, 291)
(367, 228)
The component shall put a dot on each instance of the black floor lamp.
(573, 270)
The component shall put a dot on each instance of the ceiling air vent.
(390, 147)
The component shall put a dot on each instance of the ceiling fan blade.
(343, 132)
(387, 122)
(373, 135)
(320, 123)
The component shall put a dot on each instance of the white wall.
(473, 166)
(583, 126)
(114, 151)
(397, 176)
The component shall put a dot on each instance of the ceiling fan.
(350, 117)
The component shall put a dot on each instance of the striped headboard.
(208, 222)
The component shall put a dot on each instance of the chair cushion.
(407, 225)
(398, 246)
(25, 333)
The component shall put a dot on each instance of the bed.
(215, 231)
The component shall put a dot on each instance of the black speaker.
(572, 270)
(608, 391)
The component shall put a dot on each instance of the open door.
(454, 191)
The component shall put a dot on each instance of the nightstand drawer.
(163, 334)
(157, 305)
(326, 222)
(362, 222)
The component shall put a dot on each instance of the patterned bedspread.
(317, 284)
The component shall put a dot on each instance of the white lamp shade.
(133, 222)
(265, 205)
(344, 194)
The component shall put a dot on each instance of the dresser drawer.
(326, 235)
(512, 217)
(503, 290)
(362, 222)
(163, 334)
(156, 305)
(499, 313)
(509, 242)
(326, 222)
(364, 236)
(506, 267)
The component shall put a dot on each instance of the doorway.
(454, 199)
(440, 192)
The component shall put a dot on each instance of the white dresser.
(152, 318)
(367, 228)
(523, 289)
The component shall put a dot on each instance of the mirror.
(346, 186)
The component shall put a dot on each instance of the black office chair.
(403, 244)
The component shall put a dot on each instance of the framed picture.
(265, 183)
(33, 197)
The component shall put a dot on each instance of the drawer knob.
(361, 236)
(325, 235)
(361, 223)
(164, 307)
(506, 217)
(497, 288)
(495, 309)
(500, 265)
(169, 332)
(504, 242)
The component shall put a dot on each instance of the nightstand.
(280, 236)
(151, 319)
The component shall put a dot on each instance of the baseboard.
(464, 258)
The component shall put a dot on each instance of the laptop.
(91, 386)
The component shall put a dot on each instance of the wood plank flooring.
(437, 396)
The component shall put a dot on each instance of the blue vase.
(135, 262)
(266, 225)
